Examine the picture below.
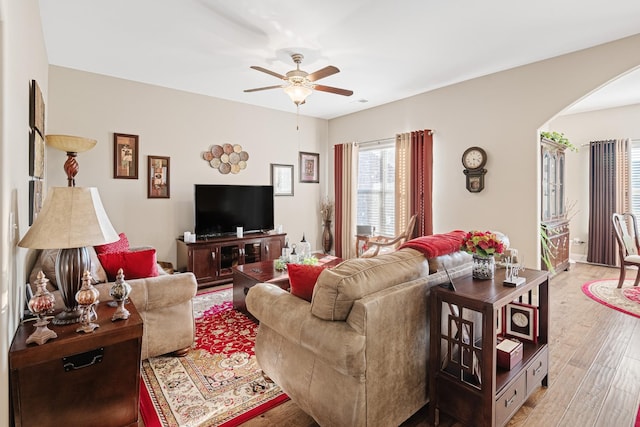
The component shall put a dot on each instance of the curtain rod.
(378, 141)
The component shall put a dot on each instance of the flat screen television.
(222, 208)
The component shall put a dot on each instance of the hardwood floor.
(594, 366)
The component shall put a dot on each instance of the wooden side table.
(78, 379)
(464, 379)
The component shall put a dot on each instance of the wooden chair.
(626, 229)
(380, 244)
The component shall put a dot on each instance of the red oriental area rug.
(606, 292)
(219, 382)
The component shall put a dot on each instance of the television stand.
(212, 259)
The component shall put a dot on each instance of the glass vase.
(484, 268)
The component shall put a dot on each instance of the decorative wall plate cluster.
(227, 158)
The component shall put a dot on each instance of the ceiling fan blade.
(263, 88)
(335, 90)
(321, 74)
(273, 73)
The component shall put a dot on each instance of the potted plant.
(559, 138)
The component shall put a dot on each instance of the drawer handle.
(535, 371)
(509, 402)
(82, 360)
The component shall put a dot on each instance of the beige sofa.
(164, 303)
(357, 355)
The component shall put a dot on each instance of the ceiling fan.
(300, 84)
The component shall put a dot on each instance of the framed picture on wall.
(125, 156)
(36, 108)
(35, 200)
(158, 177)
(282, 179)
(36, 155)
(309, 167)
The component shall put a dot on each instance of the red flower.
(482, 243)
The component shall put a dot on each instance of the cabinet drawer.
(508, 402)
(537, 370)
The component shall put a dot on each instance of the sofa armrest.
(333, 341)
(157, 292)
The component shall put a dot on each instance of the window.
(376, 187)
(635, 177)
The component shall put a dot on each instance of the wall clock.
(474, 159)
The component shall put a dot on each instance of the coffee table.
(248, 275)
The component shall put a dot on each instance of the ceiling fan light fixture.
(298, 93)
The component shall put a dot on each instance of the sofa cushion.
(338, 287)
(302, 279)
(135, 264)
(121, 245)
(47, 263)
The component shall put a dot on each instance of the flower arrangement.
(482, 243)
(326, 210)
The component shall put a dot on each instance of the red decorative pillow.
(135, 265)
(121, 245)
(302, 279)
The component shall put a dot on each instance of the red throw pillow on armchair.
(121, 245)
(135, 265)
(302, 279)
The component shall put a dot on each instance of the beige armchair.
(381, 245)
(164, 303)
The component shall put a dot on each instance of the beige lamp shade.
(70, 144)
(71, 217)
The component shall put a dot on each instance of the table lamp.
(72, 145)
(71, 219)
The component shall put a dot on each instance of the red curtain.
(422, 178)
(337, 165)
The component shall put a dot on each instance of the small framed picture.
(282, 179)
(158, 177)
(309, 167)
(521, 321)
(35, 200)
(36, 110)
(125, 156)
(36, 155)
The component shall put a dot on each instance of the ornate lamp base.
(86, 325)
(42, 334)
(67, 317)
(121, 312)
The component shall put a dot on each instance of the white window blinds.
(376, 187)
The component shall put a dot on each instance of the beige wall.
(182, 126)
(502, 113)
(613, 123)
(23, 58)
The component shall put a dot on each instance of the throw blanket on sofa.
(436, 244)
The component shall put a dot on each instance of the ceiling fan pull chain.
(297, 117)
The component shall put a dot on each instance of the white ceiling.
(386, 50)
